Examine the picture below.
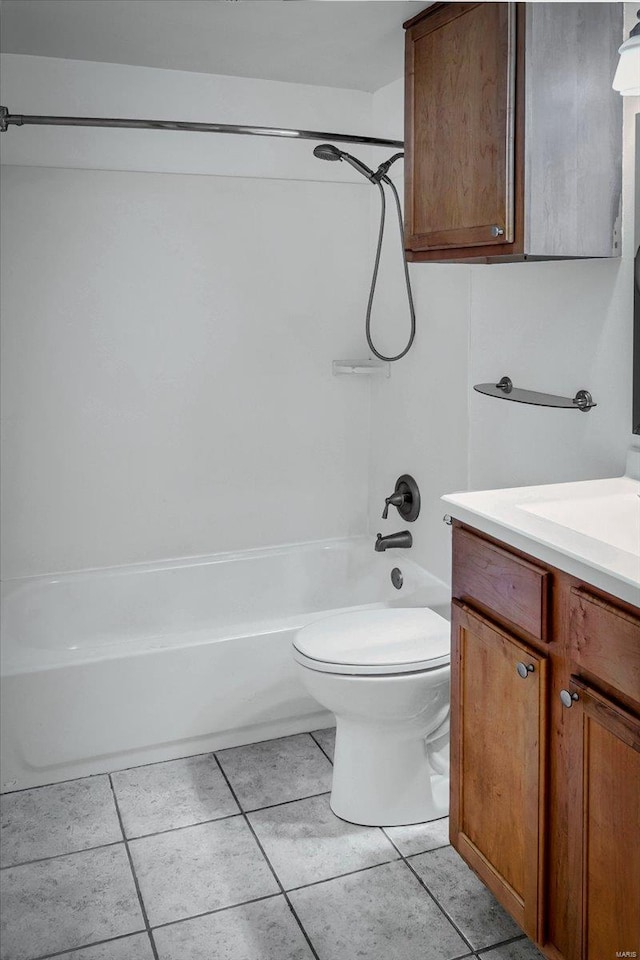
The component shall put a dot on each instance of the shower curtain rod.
(22, 120)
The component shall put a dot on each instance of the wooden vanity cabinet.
(545, 748)
(513, 135)
(498, 732)
(607, 765)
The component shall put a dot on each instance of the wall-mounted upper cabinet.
(513, 134)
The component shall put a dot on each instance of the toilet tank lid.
(377, 638)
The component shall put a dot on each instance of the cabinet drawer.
(501, 584)
(605, 641)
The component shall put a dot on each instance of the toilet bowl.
(385, 675)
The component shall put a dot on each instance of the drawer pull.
(524, 669)
(568, 699)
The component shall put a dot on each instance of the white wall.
(168, 337)
(419, 415)
(45, 85)
(148, 409)
(556, 327)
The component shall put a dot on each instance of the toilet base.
(383, 780)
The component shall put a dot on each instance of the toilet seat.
(375, 642)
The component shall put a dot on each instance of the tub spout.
(403, 539)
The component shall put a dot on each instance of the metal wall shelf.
(505, 390)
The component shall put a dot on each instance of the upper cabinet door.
(460, 88)
(513, 134)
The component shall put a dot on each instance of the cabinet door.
(459, 137)
(498, 728)
(607, 827)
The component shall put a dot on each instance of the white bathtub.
(104, 669)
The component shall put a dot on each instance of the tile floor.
(233, 856)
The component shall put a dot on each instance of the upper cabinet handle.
(524, 669)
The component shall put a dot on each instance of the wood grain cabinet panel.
(461, 62)
(501, 584)
(605, 642)
(608, 764)
(513, 135)
(498, 751)
(545, 768)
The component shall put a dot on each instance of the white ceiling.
(355, 44)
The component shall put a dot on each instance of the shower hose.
(383, 206)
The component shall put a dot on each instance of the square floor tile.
(126, 948)
(327, 740)
(202, 868)
(518, 950)
(289, 768)
(58, 904)
(464, 898)
(306, 842)
(420, 837)
(63, 818)
(379, 914)
(178, 793)
(266, 930)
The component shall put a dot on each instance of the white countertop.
(590, 529)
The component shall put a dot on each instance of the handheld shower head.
(326, 151)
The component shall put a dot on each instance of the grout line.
(86, 946)
(437, 903)
(209, 913)
(56, 856)
(503, 943)
(283, 803)
(420, 853)
(157, 833)
(184, 826)
(318, 744)
(269, 864)
(339, 876)
(143, 909)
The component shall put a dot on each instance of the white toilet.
(385, 675)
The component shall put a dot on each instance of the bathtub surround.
(553, 326)
(195, 867)
(170, 321)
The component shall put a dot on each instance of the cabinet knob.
(567, 698)
(496, 231)
(524, 669)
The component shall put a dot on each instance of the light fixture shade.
(627, 78)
